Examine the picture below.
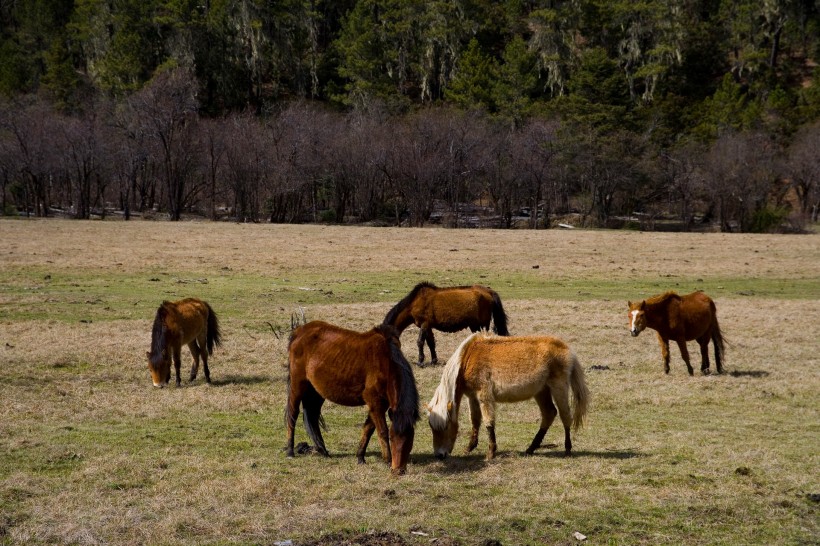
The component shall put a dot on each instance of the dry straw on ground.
(91, 454)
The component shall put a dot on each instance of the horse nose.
(441, 455)
(159, 385)
(635, 333)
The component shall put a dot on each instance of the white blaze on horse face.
(634, 327)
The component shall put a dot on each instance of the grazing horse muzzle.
(635, 332)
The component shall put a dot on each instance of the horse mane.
(390, 318)
(662, 298)
(446, 391)
(158, 334)
(406, 413)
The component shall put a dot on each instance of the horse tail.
(718, 341)
(214, 335)
(406, 413)
(580, 394)
(312, 417)
(499, 316)
(158, 335)
(440, 404)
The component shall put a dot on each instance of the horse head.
(159, 365)
(637, 317)
(401, 444)
(444, 425)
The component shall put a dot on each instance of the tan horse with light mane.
(189, 322)
(681, 318)
(489, 369)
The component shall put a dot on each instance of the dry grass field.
(90, 453)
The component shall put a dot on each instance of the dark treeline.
(467, 113)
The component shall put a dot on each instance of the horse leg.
(487, 403)
(664, 343)
(367, 431)
(195, 353)
(203, 352)
(177, 364)
(561, 395)
(377, 415)
(431, 343)
(548, 413)
(475, 418)
(291, 413)
(703, 341)
(684, 352)
(421, 346)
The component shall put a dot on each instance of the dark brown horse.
(447, 309)
(189, 322)
(682, 319)
(353, 369)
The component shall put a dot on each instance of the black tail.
(214, 336)
(717, 340)
(312, 417)
(499, 316)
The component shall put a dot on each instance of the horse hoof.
(706, 371)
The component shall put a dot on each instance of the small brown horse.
(189, 322)
(447, 309)
(353, 369)
(680, 318)
(490, 369)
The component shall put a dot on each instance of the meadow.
(91, 453)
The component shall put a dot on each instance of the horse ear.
(629, 304)
(147, 354)
(449, 407)
(643, 305)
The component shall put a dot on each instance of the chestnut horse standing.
(447, 309)
(189, 322)
(680, 318)
(353, 369)
(490, 369)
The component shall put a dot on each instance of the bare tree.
(166, 112)
(30, 138)
(535, 149)
(804, 171)
(738, 171)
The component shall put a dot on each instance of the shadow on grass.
(240, 380)
(457, 464)
(757, 374)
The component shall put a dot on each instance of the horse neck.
(400, 318)
(403, 398)
(656, 313)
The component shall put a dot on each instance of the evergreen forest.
(645, 114)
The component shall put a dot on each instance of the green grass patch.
(83, 296)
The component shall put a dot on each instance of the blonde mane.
(445, 394)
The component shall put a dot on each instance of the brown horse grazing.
(681, 318)
(490, 369)
(448, 310)
(189, 322)
(353, 369)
